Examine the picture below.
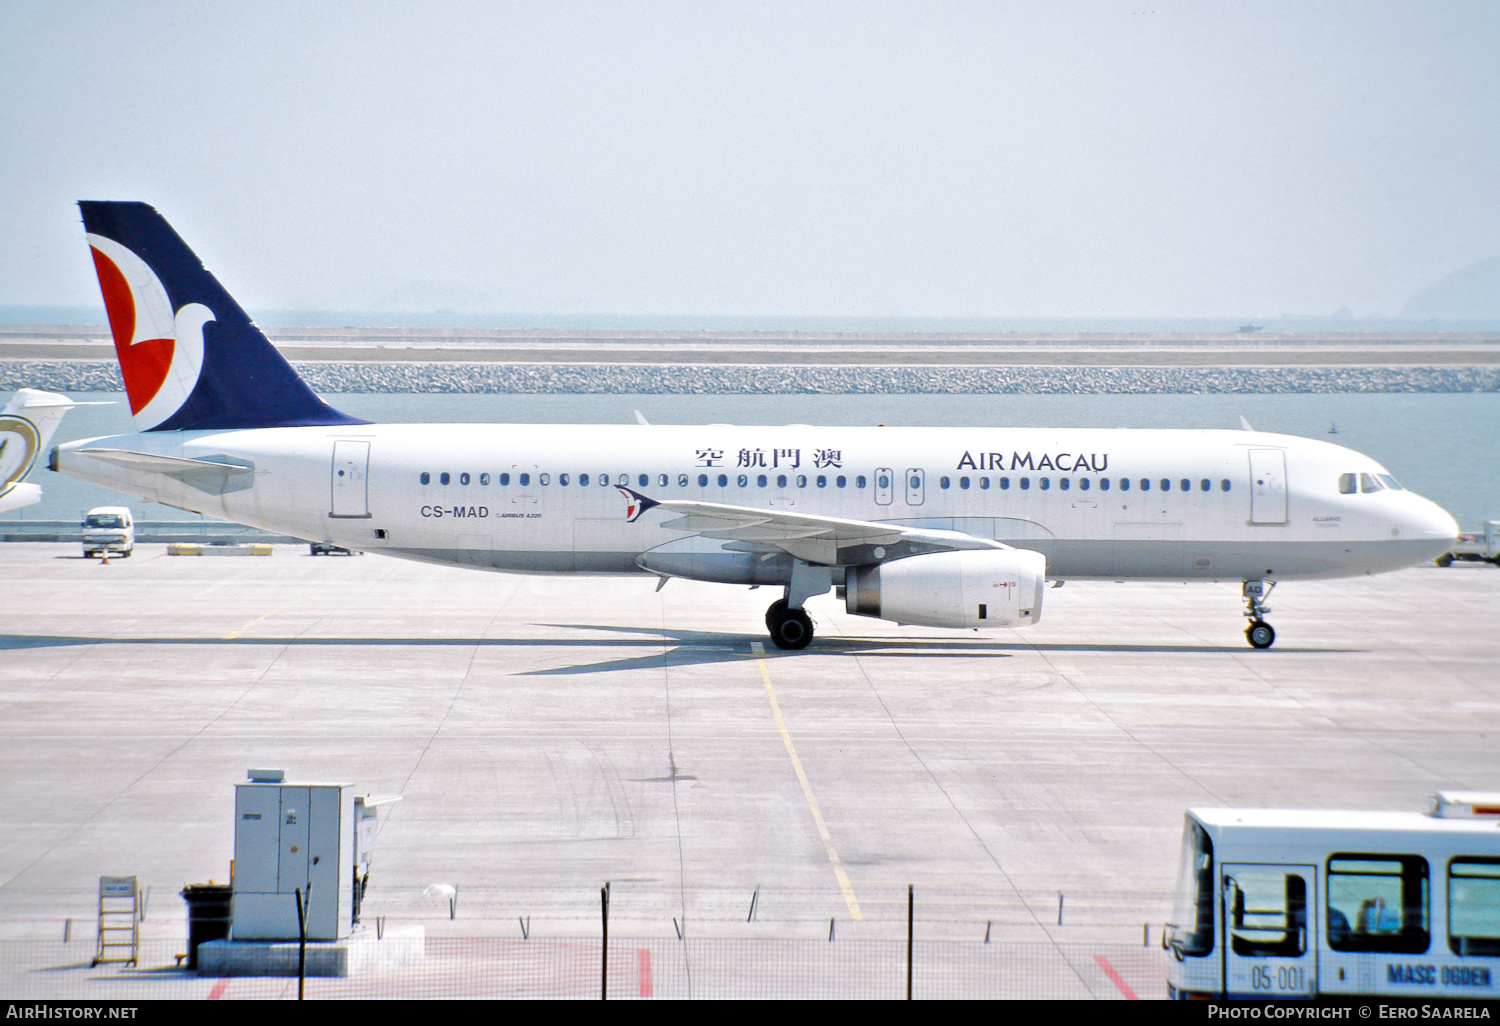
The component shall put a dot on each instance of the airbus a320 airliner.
(940, 527)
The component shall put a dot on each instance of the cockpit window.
(1390, 482)
(1348, 484)
(1368, 483)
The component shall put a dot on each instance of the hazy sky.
(1042, 159)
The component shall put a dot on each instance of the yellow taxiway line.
(309, 593)
(812, 802)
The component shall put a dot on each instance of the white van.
(1296, 904)
(108, 528)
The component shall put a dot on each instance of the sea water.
(1443, 446)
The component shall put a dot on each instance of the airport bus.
(1275, 903)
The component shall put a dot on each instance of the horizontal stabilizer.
(214, 475)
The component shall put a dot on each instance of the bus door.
(1270, 915)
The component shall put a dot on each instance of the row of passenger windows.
(644, 480)
(1367, 483)
(1375, 903)
(838, 481)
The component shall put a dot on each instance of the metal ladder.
(119, 920)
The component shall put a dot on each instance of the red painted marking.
(1116, 978)
(143, 366)
(218, 991)
(643, 957)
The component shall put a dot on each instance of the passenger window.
(426, 478)
(1145, 484)
(1083, 484)
(1046, 483)
(801, 480)
(1206, 485)
(1367, 483)
(780, 480)
(822, 481)
(562, 480)
(963, 483)
(859, 482)
(760, 480)
(723, 480)
(840, 480)
(484, 479)
(463, 478)
(1005, 484)
(661, 480)
(1224, 485)
(744, 482)
(643, 480)
(545, 479)
(702, 480)
(1267, 913)
(682, 481)
(1025, 483)
(1166, 485)
(1063, 483)
(1124, 484)
(943, 483)
(505, 479)
(984, 484)
(524, 480)
(1474, 906)
(1347, 484)
(1377, 903)
(443, 478)
(603, 480)
(1187, 485)
(883, 482)
(583, 480)
(1104, 484)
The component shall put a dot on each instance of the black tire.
(1446, 559)
(1260, 634)
(791, 629)
(776, 609)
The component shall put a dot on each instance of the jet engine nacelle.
(987, 588)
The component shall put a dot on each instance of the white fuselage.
(1113, 504)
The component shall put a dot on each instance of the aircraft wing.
(830, 541)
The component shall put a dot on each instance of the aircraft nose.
(1429, 520)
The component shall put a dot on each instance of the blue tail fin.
(190, 356)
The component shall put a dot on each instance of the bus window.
(1474, 906)
(1377, 903)
(1193, 929)
(1267, 912)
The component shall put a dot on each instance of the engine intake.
(951, 589)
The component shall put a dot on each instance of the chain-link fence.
(473, 967)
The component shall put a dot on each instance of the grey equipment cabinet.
(289, 837)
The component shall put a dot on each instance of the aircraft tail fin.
(191, 358)
(26, 426)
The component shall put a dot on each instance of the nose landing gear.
(1259, 633)
(791, 629)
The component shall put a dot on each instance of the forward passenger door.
(1270, 926)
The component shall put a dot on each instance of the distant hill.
(1470, 293)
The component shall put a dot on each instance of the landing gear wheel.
(1260, 634)
(777, 608)
(791, 629)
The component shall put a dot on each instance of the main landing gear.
(1260, 634)
(790, 629)
(790, 626)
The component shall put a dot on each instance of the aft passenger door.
(1270, 927)
(351, 468)
(1267, 486)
